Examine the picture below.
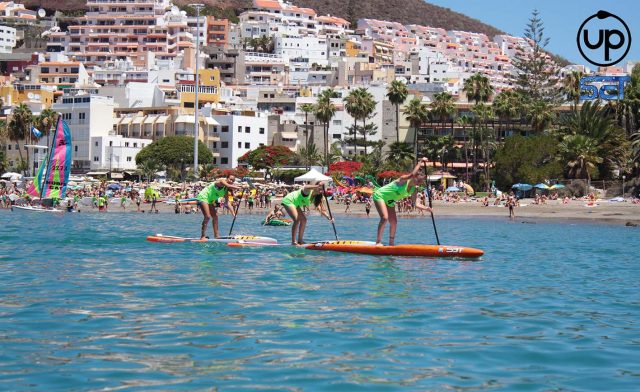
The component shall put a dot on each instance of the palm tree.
(46, 121)
(307, 108)
(360, 104)
(581, 154)
(309, 155)
(324, 112)
(416, 113)
(397, 93)
(484, 113)
(400, 155)
(19, 127)
(478, 88)
(443, 106)
(540, 114)
(571, 86)
(465, 121)
(506, 106)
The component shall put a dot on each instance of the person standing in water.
(294, 203)
(207, 199)
(385, 198)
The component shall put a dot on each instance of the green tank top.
(211, 193)
(297, 199)
(393, 192)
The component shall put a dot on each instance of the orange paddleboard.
(400, 250)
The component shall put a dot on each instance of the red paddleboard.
(399, 250)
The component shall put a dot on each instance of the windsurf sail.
(54, 184)
(34, 187)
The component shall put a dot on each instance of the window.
(126, 144)
(111, 143)
(96, 144)
(135, 145)
(9, 147)
(224, 144)
(262, 131)
(215, 145)
(215, 161)
(261, 144)
(224, 160)
(76, 148)
(247, 145)
(337, 136)
(128, 159)
(239, 144)
(247, 129)
(96, 159)
(225, 128)
(239, 128)
(66, 116)
(215, 129)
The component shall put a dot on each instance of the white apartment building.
(308, 47)
(238, 135)
(7, 39)
(88, 116)
(121, 29)
(115, 153)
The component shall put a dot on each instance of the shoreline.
(575, 211)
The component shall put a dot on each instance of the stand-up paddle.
(324, 193)
(235, 215)
(433, 220)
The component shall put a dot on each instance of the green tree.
(333, 155)
(526, 159)
(324, 112)
(174, 152)
(400, 156)
(443, 107)
(397, 93)
(417, 113)
(581, 155)
(478, 88)
(46, 121)
(482, 136)
(309, 155)
(464, 121)
(506, 106)
(540, 115)
(309, 136)
(360, 104)
(571, 86)
(149, 167)
(19, 128)
(536, 73)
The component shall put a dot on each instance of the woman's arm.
(324, 213)
(421, 163)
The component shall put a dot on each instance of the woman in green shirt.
(384, 198)
(207, 199)
(295, 201)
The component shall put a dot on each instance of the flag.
(36, 133)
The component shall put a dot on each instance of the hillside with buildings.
(402, 11)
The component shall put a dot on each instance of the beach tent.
(522, 187)
(452, 189)
(557, 186)
(541, 186)
(114, 187)
(312, 175)
(11, 175)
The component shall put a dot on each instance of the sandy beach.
(601, 212)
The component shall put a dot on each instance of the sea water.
(87, 303)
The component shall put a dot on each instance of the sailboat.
(53, 174)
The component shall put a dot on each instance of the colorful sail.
(59, 165)
(34, 188)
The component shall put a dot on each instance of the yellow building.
(353, 49)
(208, 89)
(35, 95)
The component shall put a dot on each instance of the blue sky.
(561, 18)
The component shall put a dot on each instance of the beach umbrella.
(452, 189)
(541, 186)
(522, 187)
(11, 175)
(114, 187)
(557, 186)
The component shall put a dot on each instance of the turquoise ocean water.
(87, 303)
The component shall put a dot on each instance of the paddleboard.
(244, 244)
(169, 239)
(399, 250)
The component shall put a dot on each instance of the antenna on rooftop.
(42, 13)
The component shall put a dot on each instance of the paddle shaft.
(236, 213)
(335, 232)
(433, 220)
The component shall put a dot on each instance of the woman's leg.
(214, 215)
(303, 223)
(293, 213)
(393, 225)
(381, 207)
(206, 215)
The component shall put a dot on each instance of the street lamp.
(196, 130)
(623, 178)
